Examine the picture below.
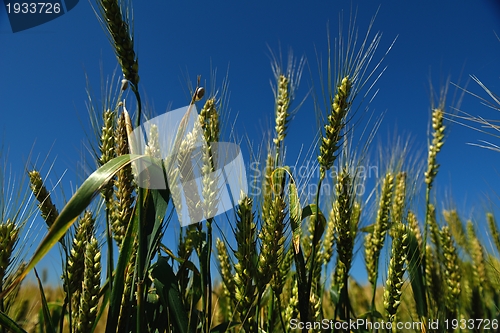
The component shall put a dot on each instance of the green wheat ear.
(124, 186)
(47, 208)
(9, 234)
(75, 271)
(90, 288)
(121, 38)
(397, 269)
(451, 271)
(375, 241)
(435, 147)
(333, 128)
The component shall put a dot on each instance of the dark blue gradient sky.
(43, 74)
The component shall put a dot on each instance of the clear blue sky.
(42, 71)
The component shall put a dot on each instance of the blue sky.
(43, 86)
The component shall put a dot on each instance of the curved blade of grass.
(75, 206)
(224, 327)
(157, 209)
(165, 282)
(312, 210)
(49, 327)
(7, 322)
(184, 263)
(119, 278)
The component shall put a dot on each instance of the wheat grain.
(282, 104)
(124, 186)
(329, 239)
(153, 148)
(226, 268)
(375, 241)
(433, 279)
(90, 288)
(476, 251)
(334, 126)
(451, 271)
(74, 275)
(492, 225)
(107, 139)
(456, 227)
(291, 306)
(272, 241)
(435, 147)
(209, 120)
(415, 227)
(245, 267)
(394, 283)
(434, 227)
(48, 210)
(9, 234)
(118, 28)
(398, 203)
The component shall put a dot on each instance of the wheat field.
(285, 264)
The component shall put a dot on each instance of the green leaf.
(76, 205)
(168, 290)
(7, 322)
(368, 229)
(156, 210)
(224, 327)
(312, 211)
(49, 325)
(119, 279)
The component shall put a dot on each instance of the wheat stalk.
(394, 283)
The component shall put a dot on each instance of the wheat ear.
(226, 267)
(246, 266)
(124, 185)
(74, 275)
(121, 38)
(334, 126)
(492, 225)
(90, 288)
(451, 272)
(394, 283)
(375, 241)
(9, 234)
(47, 208)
